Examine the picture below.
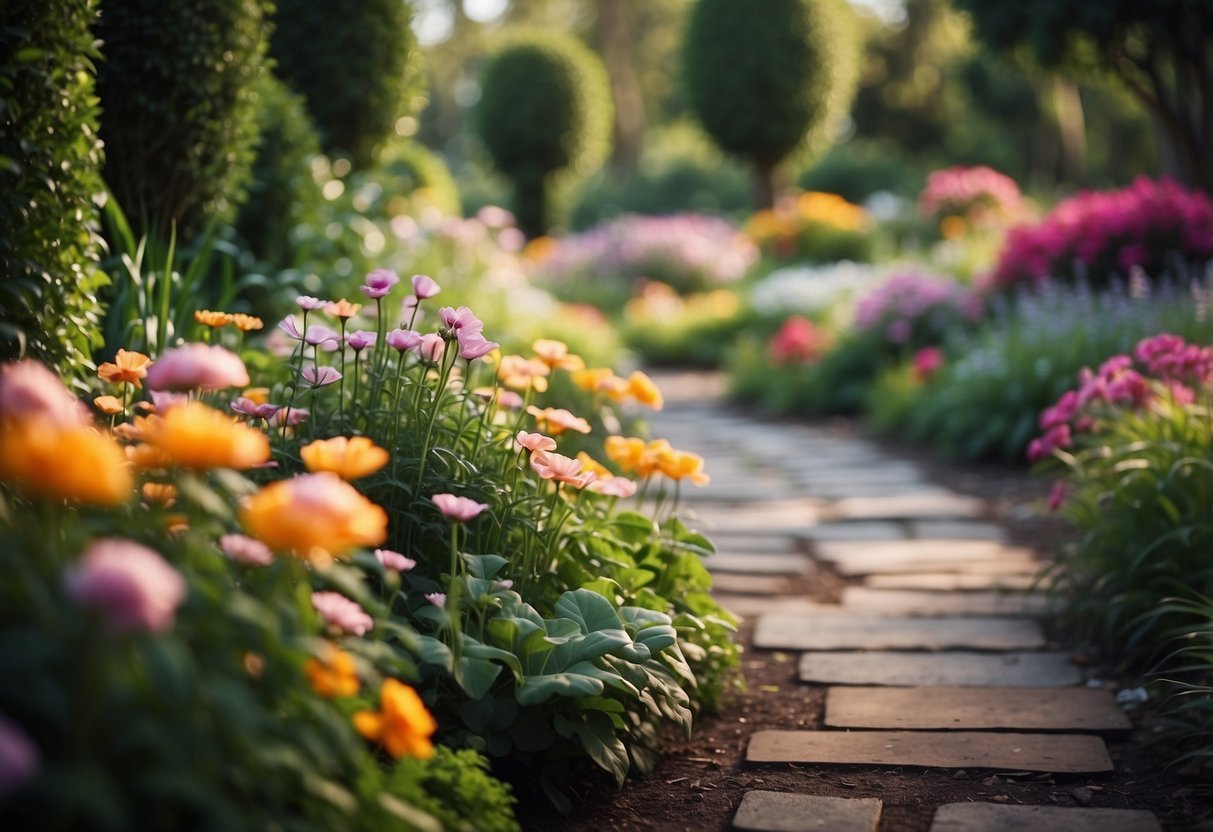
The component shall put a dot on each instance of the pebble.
(1082, 795)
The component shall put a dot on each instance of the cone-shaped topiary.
(356, 64)
(765, 77)
(50, 161)
(179, 107)
(544, 112)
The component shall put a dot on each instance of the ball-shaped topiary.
(50, 162)
(357, 65)
(764, 78)
(179, 107)
(545, 109)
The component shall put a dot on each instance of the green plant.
(50, 159)
(861, 167)
(357, 65)
(764, 82)
(178, 90)
(544, 114)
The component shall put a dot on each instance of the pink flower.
(472, 345)
(342, 614)
(403, 339)
(322, 377)
(28, 390)
(1057, 495)
(1060, 413)
(438, 599)
(509, 399)
(533, 442)
(290, 325)
(458, 509)
(394, 560)
(289, 416)
(431, 348)
(378, 283)
(320, 335)
(360, 339)
(424, 287)
(553, 466)
(460, 319)
(19, 758)
(310, 303)
(797, 340)
(613, 487)
(1043, 446)
(245, 407)
(927, 362)
(165, 401)
(246, 550)
(197, 367)
(132, 587)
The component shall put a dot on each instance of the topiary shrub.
(408, 175)
(544, 111)
(50, 159)
(179, 107)
(765, 81)
(355, 62)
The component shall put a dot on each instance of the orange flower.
(591, 465)
(199, 437)
(313, 515)
(523, 373)
(402, 724)
(347, 457)
(335, 675)
(109, 405)
(556, 420)
(146, 457)
(556, 355)
(642, 389)
(159, 493)
(246, 323)
(128, 367)
(343, 309)
(678, 465)
(65, 463)
(625, 451)
(215, 319)
(257, 395)
(598, 380)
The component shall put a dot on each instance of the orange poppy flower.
(128, 367)
(556, 355)
(343, 309)
(314, 516)
(109, 405)
(214, 319)
(556, 420)
(73, 463)
(247, 323)
(348, 457)
(402, 724)
(334, 674)
(196, 436)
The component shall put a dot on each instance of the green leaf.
(589, 609)
(632, 527)
(432, 651)
(535, 690)
(485, 567)
(476, 675)
(600, 742)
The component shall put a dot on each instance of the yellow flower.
(625, 451)
(678, 465)
(65, 463)
(402, 724)
(146, 457)
(128, 367)
(257, 395)
(335, 675)
(589, 465)
(109, 405)
(214, 319)
(642, 389)
(521, 373)
(313, 515)
(347, 457)
(160, 493)
(199, 437)
(246, 323)
(556, 355)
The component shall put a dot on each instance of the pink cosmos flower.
(290, 325)
(132, 587)
(431, 348)
(558, 467)
(320, 335)
(394, 561)
(509, 399)
(472, 345)
(424, 287)
(197, 367)
(244, 549)
(322, 377)
(19, 758)
(28, 390)
(613, 487)
(289, 416)
(360, 339)
(438, 599)
(378, 283)
(164, 401)
(310, 303)
(458, 509)
(506, 584)
(245, 407)
(403, 339)
(342, 614)
(533, 442)
(267, 411)
(460, 319)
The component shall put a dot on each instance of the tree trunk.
(1071, 128)
(615, 29)
(764, 185)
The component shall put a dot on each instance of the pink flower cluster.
(798, 340)
(979, 194)
(131, 586)
(1101, 233)
(913, 304)
(1167, 359)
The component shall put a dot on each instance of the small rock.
(1000, 798)
(959, 775)
(1082, 795)
(991, 781)
(1132, 697)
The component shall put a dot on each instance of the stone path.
(934, 656)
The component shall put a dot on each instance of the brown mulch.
(700, 782)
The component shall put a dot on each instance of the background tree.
(50, 160)
(1162, 51)
(179, 107)
(767, 78)
(544, 114)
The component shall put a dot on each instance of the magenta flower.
(394, 560)
(19, 758)
(378, 283)
(1057, 495)
(318, 335)
(310, 303)
(424, 287)
(460, 319)
(290, 325)
(132, 587)
(246, 550)
(403, 339)
(438, 599)
(472, 345)
(458, 509)
(197, 367)
(342, 614)
(320, 377)
(360, 339)
(431, 348)
(28, 390)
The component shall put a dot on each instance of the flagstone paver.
(947, 581)
(1056, 753)
(760, 564)
(935, 708)
(754, 544)
(927, 603)
(766, 811)
(997, 817)
(857, 530)
(1033, 670)
(751, 606)
(893, 553)
(956, 530)
(917, 504)
(856, 631)
(742, 584)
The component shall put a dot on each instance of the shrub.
(357, 65)
(764, 82)
(815, 291)
(407, 178)
(50, 159)
(544, 111)
(812, 227)
(960, 197)
(1157, 227)
(663, 327)
(179, 107)
(861, 167)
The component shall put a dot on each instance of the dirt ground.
(700, 782)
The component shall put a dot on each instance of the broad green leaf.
(589, 609)
(476, 675)
(484, 566)
(538, 689)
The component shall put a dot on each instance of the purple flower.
(243, 406)
(322, 377)
(267, 410)
(424, 287)
(19, 758)
(472, 345)
(403, 339)
(378, 283)
(460, 319)
(318, 334)
(246, 550)
(132, 587)
(394, 560)
(290, 325)
(360, 339)
(342, 614)
(310, 303)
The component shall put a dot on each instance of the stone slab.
(892, 553)
(764, 811)
(950, 581)
(909, 506)
(957, 530)
(1080, 710)
(914, 602)
(731, 582)
(857, 530)
(997, 817)
(752, 606)
(985, 670)
(754, 544)
(1055, 753)
(856, 631)
(779, 564)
